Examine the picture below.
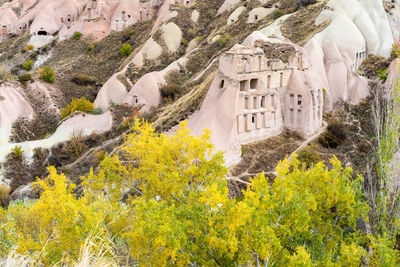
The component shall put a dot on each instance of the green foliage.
(27, 65)
(173, 87)
(77, 104)
(77, 35)
(223, 40)
(47, 74)
(24, 78)
(334, 135)
(178, 212)
(17, 152)
(125, 50)
(277, 14)
(382, 74)
(396, 49)
(308, 157)
(91, 47)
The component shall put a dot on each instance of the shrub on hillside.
(47, 74)
(125, 50)
(83, 79)
(17, 152)
(24, 78)
(27, 65)
(308, 157)
(77, 35)
(334, 135)
(77, 104)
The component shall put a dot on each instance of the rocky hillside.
(266, 77)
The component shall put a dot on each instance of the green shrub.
(125, 50)
(83, 79)
(223, 40)
(277, 14)
(91, 47)
(308, 157)
(24, 78)
(382, 74)
(97, 111)
(17, 152)
(77, 104)
(47, 74)
(334, 135)
(27, 65)
(77, 35)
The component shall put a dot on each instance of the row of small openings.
(253, 84)
(254, 118)
(291, 117)
(299, 100)
(262, 102)
(68, 19)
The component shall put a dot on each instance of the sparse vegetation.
(83, 79)
(77, 104)
(28, 48)
(47, 74)
(309, 157)
(17, 152)
(24, 78)
(334, 135)
(27, 65)
(125, 50)
(77, 35)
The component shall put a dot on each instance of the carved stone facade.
(271, 93)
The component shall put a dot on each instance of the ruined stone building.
(272, 91)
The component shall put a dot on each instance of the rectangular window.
(255, 102)
(299, 100)
(242, 85)
(246, 102)
(281, 79)
(253, 118)
(254, 84)
(291, 99)
(291, 116)
(299, 117)
(269, 81)
(262, 102)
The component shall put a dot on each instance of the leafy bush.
(27, 65)
(77, 35)
(223, 40)
(334, 135)
(24, 78)
(17, 152)
(47, 74)
(91, 47)
(83, 79)
(125, 50)
(308, 157)
(179, 213)
(28, 48)
(277, 14)
(382, 75)
(77, 104)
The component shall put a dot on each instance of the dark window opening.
(253, 118)
(221, 85)
(299, 100)
(254, 83)
(136, 100)
(42, 33)
(242, 85)
(256, 17)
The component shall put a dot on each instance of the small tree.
(125, 50)
(47, 74)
